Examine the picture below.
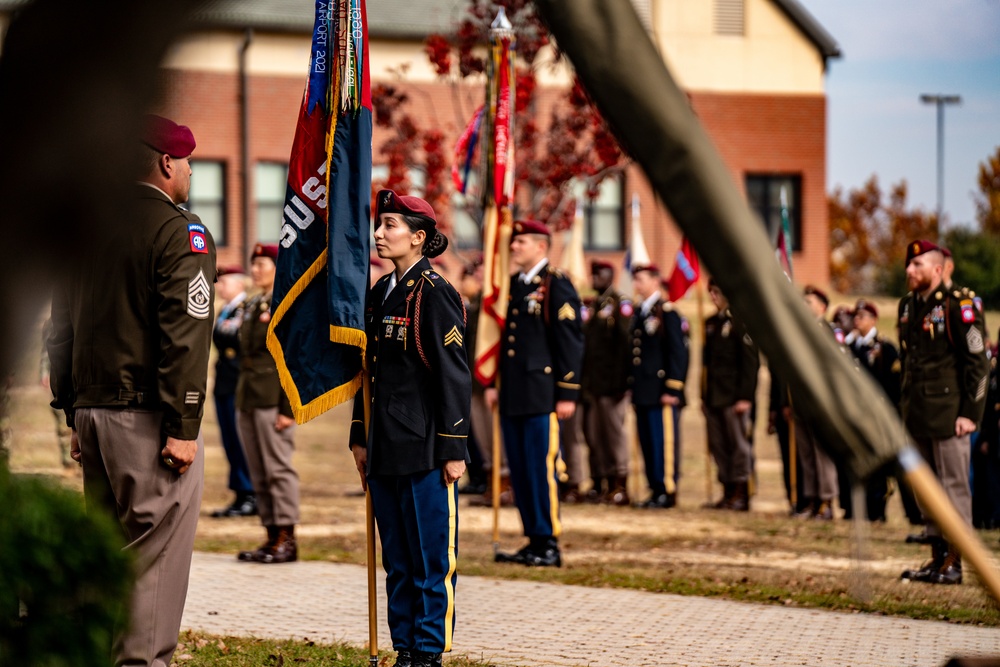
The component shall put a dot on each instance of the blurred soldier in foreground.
(659, 368)
(945, 376)
(606, 369)
(730, 366)
(540, 358)
(131, 332)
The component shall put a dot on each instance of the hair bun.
(436, 244)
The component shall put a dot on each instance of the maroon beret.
(919, 247)
(232, 269)
(387, 201)
(945, 251)
(601, 265)
(375, 261)
(817, 292)
(166, 136)
(867, 306)
(530, 227)
(652, 268)
(265, 250)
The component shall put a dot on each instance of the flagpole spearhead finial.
(501, 23)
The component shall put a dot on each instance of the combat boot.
(618, 491)
(950, 571)
(722, 503)
(284, 549)
(824, 511)
(404, 658)
(258, 553)
(808, 509)
(739, 499)
(939, 553)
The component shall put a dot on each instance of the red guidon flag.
(686, 271)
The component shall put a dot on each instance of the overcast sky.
(893, 51)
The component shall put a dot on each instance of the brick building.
(754, 71)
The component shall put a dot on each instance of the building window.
(603, 216)
(729, 17)
(208, 196)
(764, 197)
(271, 182)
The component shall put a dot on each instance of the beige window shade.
(729, 17)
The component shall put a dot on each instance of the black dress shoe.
(424, 659)
(244, 505)
(404, 658)
(950, 572)
(662, 501)
(543, 552)
(518, 557)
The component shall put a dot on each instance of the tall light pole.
(940, 101)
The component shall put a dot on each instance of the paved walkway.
(526, 623)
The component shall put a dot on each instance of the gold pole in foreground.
(370, 537)
(933, 500)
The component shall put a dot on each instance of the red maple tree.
(572, 143)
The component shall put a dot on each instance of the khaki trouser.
(571, 447)
(157, 509)
(604, 427)
(269, 456)
(949, 459)
(728, 442)
(482, 426)
(819, 472)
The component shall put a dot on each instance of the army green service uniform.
(606, 368)
(945, 375)
(131, 333)
(259, 400)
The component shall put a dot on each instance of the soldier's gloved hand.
(964, 426)
(179, 454)
(361, 461)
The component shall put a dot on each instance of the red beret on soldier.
(387, 201)
(817, 292)
(919, 247)
(652, 268)
(265, 250)
(530, 227)
(866, 306)
(166, 136)
(599, 265)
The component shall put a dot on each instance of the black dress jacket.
(421, 386)
(659, 355)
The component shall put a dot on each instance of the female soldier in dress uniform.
(415, 448)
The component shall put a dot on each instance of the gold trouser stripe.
(668, 449)
(449, 615)
(550, 473)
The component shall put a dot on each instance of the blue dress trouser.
(532, 444)
(417, 521)
(239, 470)
(658, 428)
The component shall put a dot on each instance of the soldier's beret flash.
(387, 201)
(652, 268)
(919, 247)
(166, 136)
(817, 292)
(265, 250)
(866, 306)
(530, 227)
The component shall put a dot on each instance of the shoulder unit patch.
(196, 237)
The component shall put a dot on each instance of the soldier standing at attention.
(730, 365)
(659, 368)
(231, 286)
(945, 376)
(415, 449)
(819, 472)
(131, 333)
(540, 358)
(606, 370)
(266, 425)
